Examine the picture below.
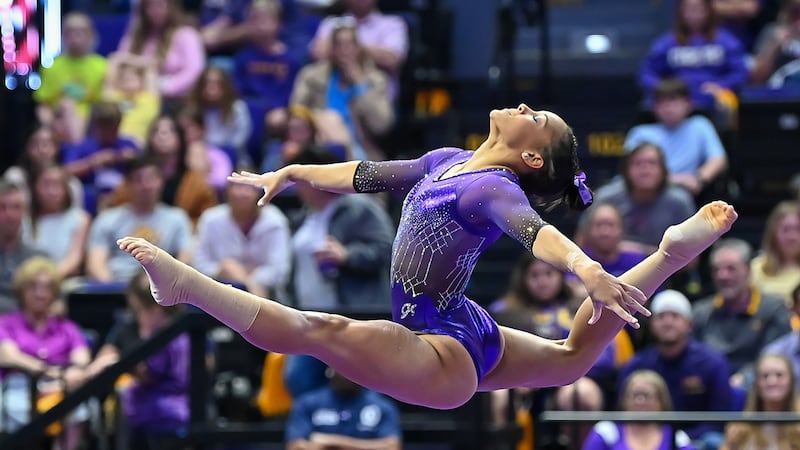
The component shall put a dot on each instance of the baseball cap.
(671, 301)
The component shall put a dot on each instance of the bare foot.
(139, 248)
(691, 237)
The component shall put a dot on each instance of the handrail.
(670, 416)
(196, 323)
(104, 381)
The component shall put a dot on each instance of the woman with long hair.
(776, 270)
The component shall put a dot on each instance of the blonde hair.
(785, 433)
(31, 268)
(653, 379)
(769, 244)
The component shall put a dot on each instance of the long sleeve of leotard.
(399, 176)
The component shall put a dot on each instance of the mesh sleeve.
(499, 201)
(396, 176)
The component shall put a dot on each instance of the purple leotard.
(446, 224)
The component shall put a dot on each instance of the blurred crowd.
(140, 141)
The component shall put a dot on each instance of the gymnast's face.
(523, 129)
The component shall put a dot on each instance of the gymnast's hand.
(606, 291)
(271, 182)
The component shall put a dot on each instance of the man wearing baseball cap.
(697, 375)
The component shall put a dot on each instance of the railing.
(464, 427)
(672, 418)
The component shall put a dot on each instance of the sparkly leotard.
(446, 223)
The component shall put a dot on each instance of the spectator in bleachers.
(301, 131)
(649, 203)
(692, 149)
(183, 187)
(600, 232)
(225, 28)
(776, 270)
(99, 160)
(13, 249)
(738, 320)
(343, 415)
(537, 302)
(773, 391)
(144, 216)
(777, 61)
(788, 345)
(266, 67)
(697, 375)
(342, 247)
(256, 251)
(41, 150)
(227, 120)
(74, 81)
(132, 83)
(154, 398)
(384, 37)
(349, 83)
(738, 18)
(37, 342)
(157, 31)
(56, 226)
(215, 163)
(643, 391)
(707, 58)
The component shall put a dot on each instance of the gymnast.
(440, 348)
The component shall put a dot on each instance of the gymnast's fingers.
(638, 307)
(635, 293)
(625, 315)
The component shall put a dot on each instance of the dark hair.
(682, 32)
(625, 164)
(183, 147)
(141, 162)
(106, 114)
(24, 161)
(671, 88)
(35, 202)
(555, 183)
(518, 295)
(194, 114)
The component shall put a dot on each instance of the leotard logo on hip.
(407, 310)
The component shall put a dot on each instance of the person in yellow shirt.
(132, 83)
(776, 270)
(75, 80)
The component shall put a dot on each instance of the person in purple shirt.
(643, 391)
(35, 341)
(599, 234)
(264, 70)
(155, 399)
(697, 375)
(707, 58)
(442, 347)
(98, 161)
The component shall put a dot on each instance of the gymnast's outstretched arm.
(503, 203)
(353, 176)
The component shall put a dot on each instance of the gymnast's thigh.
(527, 360)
